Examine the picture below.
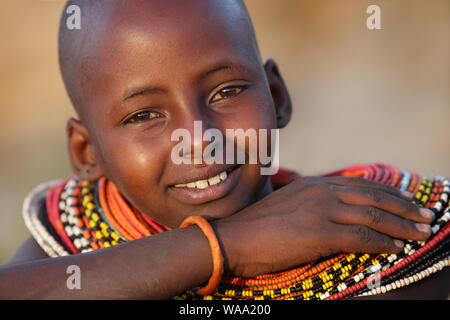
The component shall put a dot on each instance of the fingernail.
(427, 213)
(398, 243)
(407, 194)
(422, 227)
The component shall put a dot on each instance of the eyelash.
(239, 88)
(138, 117)
(148, 115)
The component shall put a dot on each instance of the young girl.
(135, 72)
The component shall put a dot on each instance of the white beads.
(409, 280)
(438, 206)
(63, 217)
(324, 295)
(342, 287)
(69, 231)
(30, 214)
(77, 243)
(392, 257)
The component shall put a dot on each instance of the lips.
(206, 185)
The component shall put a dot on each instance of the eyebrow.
(140, 91)
(214, 69)
(227, 66)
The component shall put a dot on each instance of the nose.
(198, 142)
(200, 138)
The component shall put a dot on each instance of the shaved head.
(82, 51)
(75, 51)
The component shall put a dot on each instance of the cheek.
(134, 162)
(260, 112)
(253, 115)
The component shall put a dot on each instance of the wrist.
(216, 253)
(230, 244)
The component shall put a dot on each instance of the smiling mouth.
(207, 189)
(205, 183)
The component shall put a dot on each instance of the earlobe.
(280, 94)
(81, 154)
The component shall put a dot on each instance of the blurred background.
(359, 95)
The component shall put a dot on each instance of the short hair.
(75, 59)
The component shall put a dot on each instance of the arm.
(29, 250)
(308, 219)
(155, 267)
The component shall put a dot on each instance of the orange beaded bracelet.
(215, 252)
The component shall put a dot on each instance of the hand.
(314, 217)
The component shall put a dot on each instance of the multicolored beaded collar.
(84, 216)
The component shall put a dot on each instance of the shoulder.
(43, 235)
(43, 241)
(29, 250)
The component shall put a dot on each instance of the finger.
(359, 238)
(366, 183)
(383, 222)
(384, 201)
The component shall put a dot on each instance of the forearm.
(155, 267)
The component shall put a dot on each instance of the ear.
(81, 154)
(280, 95)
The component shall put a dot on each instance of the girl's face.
(160, 70)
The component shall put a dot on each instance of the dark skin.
(137, 90)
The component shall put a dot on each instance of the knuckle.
(362, 233)
(375, 195)
(314, 187)
(375, 217)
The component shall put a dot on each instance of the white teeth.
(202, 184)
(223, 175)
(214, 180)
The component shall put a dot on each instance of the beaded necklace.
(87, 216)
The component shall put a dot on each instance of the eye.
(228, 92)
(142, 116)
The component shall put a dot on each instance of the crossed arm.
(309, 218)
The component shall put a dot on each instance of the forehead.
(154, 41)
